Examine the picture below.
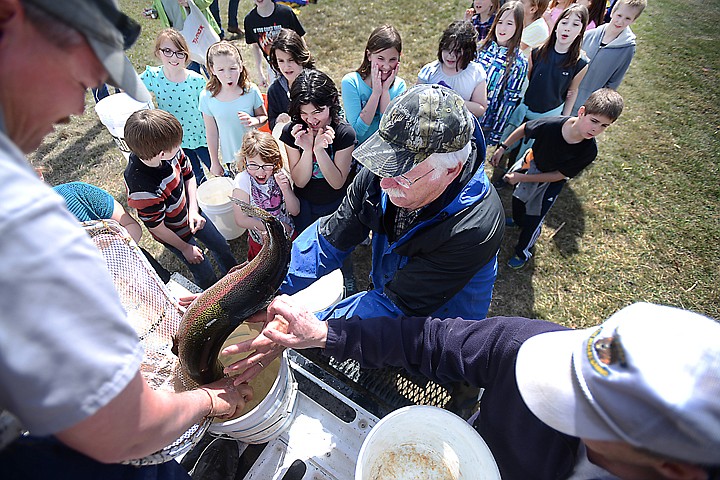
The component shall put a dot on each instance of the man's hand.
(292, 326)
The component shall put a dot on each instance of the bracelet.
(503, 146)
(212, 403)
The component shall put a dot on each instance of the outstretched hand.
(286, 325)
(294, 326)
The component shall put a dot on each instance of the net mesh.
(154, 314)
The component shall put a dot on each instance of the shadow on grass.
(514, 293)
(69, 158)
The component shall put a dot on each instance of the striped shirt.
(158, 193)
(502, 101)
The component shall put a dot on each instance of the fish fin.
(237, 267)
(252, 210)
(174, 348)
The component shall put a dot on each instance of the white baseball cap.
(649, 376)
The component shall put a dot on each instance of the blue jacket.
(444, 266)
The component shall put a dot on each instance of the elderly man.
(69, 360)
(436, 221)
(637, 397)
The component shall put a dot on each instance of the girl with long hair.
(506, 68)
(231, 104)
(367, 91)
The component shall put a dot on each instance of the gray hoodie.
(608, 64)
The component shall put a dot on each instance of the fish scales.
(218, 311)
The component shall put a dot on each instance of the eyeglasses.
(403, 181)
(169, 53)
(266, 167)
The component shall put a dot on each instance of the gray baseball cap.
(108, 31)
(424, 120)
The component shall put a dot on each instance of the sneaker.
(509, 222)
(516, 263)
(236, 30)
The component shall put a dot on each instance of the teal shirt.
(225, 114)
(355, 94)
(87, 202)
(180, 99)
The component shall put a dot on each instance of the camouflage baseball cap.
(426, 119)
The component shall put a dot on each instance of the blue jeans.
(232, 13)
(46, 457)
(203, 273)
(197, 157)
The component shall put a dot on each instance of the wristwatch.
(503, 146)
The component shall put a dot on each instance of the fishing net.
(155, 315)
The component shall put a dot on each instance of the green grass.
(641, 224)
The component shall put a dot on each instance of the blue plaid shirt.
(502, 100)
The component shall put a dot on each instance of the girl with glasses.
(177, 90)
(262, 182)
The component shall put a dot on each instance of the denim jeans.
(197, 157)
(203, 273)
(46, 457)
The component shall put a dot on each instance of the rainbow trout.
(220, 309)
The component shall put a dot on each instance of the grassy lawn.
(642, 223)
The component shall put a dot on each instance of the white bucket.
(114, 111)
(273, 407)
(213, 199)
(323, 293)
(424, 442)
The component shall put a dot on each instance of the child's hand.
(282, 118)
(283, 181)
(469, 14)
(513, 178)
(324, 138)
(192, 254)
(376, 77)
(495, 159)
(195, 221)
(391, 78)
(246, 119)
(303, 138)
(217, 169)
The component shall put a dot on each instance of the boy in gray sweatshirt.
(610, 48)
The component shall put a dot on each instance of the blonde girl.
(455, 68)
(230, 104)
(262, 182)
(367, 91)
(177, 90)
